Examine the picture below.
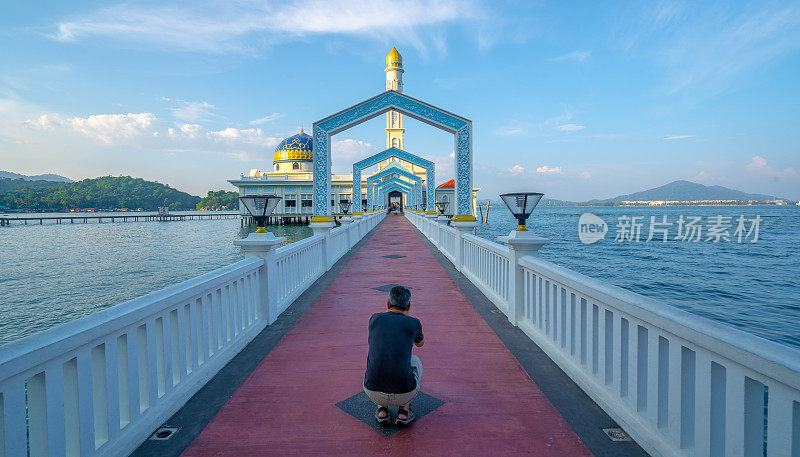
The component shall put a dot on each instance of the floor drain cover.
(361, 408)
(164, 433)
(617, 434)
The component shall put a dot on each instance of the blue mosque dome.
(297, 148)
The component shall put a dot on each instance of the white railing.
(101, 384)
(679, 384)
(298, 265)
(339, 242)
(447, 240)
(487, 265)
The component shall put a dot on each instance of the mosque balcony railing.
(678, 383)
(102, 384)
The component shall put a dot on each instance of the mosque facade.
(291, 177)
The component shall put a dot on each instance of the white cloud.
(758, 166)
(190, 131)
(193, 111)
(108, 128)
(576, 56)
(569, 127)
(510, 131)
(234, 26)
(265, 119)
(678, 137)
(352, 150)
(345, 152)
(516, 169)
(544, 169)
(708, 177)
(246, 136)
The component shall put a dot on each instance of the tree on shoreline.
(220, 199)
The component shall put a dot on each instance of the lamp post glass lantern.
(442, 206)
(260, 207)
(345, 206)
(521, 205)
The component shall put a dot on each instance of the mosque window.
(394, 142)
(295, 166)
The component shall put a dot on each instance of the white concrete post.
(462, 227)
(263, 245)
(347, 223)
(520, 243)
(324, 229)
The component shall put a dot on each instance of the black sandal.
(380, 419)
(410, 416)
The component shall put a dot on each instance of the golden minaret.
(394, 81)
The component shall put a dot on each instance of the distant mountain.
(688, 191)
(44, 177)
(684, 191)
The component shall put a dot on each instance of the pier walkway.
(491, 405)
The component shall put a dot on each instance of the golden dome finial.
(394, 59)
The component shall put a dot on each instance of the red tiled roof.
(448, 185)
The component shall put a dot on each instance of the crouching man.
(393, 374)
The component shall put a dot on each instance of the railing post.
(430, 218)
(520, 243)
(461, 229)
(263, 246)
(324, 229)
(347, 224)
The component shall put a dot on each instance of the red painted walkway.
(286, 406)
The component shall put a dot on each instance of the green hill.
(106, 192)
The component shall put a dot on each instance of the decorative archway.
(384, 191)
(430, 173)
(393, 168)
(391, 100)
(395, 183)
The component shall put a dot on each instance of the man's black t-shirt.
(391, 336)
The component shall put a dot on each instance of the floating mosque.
(292, 174)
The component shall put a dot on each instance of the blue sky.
(581, 100)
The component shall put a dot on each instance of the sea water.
(753, 286)
(51, 274)
(54, 273)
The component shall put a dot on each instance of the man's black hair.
(399, 298)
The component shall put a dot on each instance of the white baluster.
(782, 429)
(702, 402)
(37, 415)
(14, 417)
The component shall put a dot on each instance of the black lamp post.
(345, 207)
(521, 205)
(260, 207)
(442, 207)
